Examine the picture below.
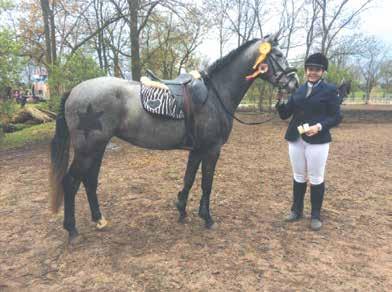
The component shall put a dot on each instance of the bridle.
(282, 72)
(289, 71)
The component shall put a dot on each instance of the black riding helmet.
(317, 60)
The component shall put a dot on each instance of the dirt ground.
(253, 249)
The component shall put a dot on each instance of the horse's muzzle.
(292, 85)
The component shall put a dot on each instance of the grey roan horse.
(98, 109)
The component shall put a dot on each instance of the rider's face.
(313, 74)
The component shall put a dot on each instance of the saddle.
(191, 82)
(177, 98)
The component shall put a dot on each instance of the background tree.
(122, 38)
(170, 42)
(70, 71)
(216, 11)
(386, 75)
(289, 23)
(49, 32)
(139, 11)
(370, 61)
(336, 16)
(11, 63)
(312, 12)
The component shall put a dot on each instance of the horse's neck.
(231, 84)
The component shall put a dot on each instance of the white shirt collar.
(310, 84)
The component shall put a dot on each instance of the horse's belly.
(145, 130)
(154, 137)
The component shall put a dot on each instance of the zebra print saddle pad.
(159, 101)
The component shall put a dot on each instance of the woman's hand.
(313, 130)
(279, 96)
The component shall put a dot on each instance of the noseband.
(277, 76)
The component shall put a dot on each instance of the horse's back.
(95, 109)
(100, 108)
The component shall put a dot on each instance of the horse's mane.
(218, 64)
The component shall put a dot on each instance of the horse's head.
(272, 65)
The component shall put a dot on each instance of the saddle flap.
(160, 102)
(198, 91)
(160, 98)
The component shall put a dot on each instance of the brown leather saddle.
(189, 92)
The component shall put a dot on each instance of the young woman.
(314, 108)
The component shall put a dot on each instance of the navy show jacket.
(321, 106)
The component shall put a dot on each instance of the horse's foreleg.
(208, 170)
(194, 160)
(90, 182)
(71, 183)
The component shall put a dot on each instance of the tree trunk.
(98, 40)
(103, 45)
(52, 34)
(45, 14)
(116, 65)
(1, 132)
(134, 36)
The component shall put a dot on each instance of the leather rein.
(207, 80)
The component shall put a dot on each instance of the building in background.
(39, 81)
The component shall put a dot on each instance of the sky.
(377, 21)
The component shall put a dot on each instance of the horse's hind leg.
(194, 160)
(79, 171)
(90, 182)
(71, 183)
(208, 169)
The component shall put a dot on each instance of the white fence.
(372, 100)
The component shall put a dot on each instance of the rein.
(208, 80)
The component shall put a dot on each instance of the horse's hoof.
(179, 206)
(182, 211)
(73, 238)
(212, 226)
(181, 219)
(102, 223)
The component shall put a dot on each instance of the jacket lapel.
(302, 90)
(317, 88)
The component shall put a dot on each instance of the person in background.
(315, 109)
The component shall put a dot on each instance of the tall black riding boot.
(297, 208)
(316, 198)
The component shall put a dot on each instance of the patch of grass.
(7, 109)
(26, 136)
(42, 105)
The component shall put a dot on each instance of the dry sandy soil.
(253, 249)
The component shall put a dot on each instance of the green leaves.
(6, 4)
(11, 63)
(70, 71)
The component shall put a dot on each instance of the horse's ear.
(274, 38)
(277, 35)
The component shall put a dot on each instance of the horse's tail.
(59, 155)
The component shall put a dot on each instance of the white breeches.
(308, 161)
